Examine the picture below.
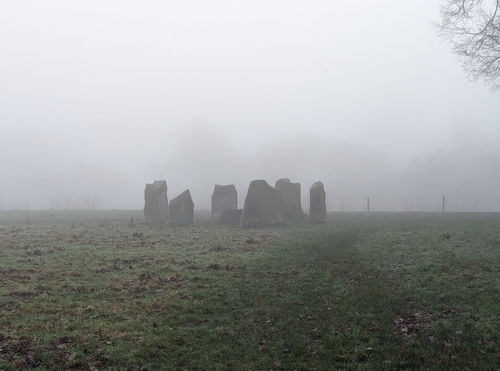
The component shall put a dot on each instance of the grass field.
(81, 290)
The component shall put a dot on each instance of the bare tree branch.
(473, 28)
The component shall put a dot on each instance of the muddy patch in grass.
(22, 294)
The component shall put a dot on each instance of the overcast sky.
(99, 97)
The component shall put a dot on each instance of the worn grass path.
(368, 292)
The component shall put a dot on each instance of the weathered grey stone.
(317, 211)
(292, 209)
(156, 202)
(181, 209)
(263, 205)
(231, 217)
(224, 197)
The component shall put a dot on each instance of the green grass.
(369, 292)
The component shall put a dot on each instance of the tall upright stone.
(181, 209)
(263, 205)
(317, 211)
(224, 197)
(156, 202)
(292, 209)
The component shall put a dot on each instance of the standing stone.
(263, 205)
(181, 209)
(317, 212)
(231, 217)
(225, 197)
(292, 209)
(156, 202)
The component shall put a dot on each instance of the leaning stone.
(263, 205)
(181, 209)
(292, 209)
(156, 202)
(317, 212)
(224, 197)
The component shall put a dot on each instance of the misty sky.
(99, 97)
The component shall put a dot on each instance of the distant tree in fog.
(473, 28)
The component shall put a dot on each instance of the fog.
(98, 98)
